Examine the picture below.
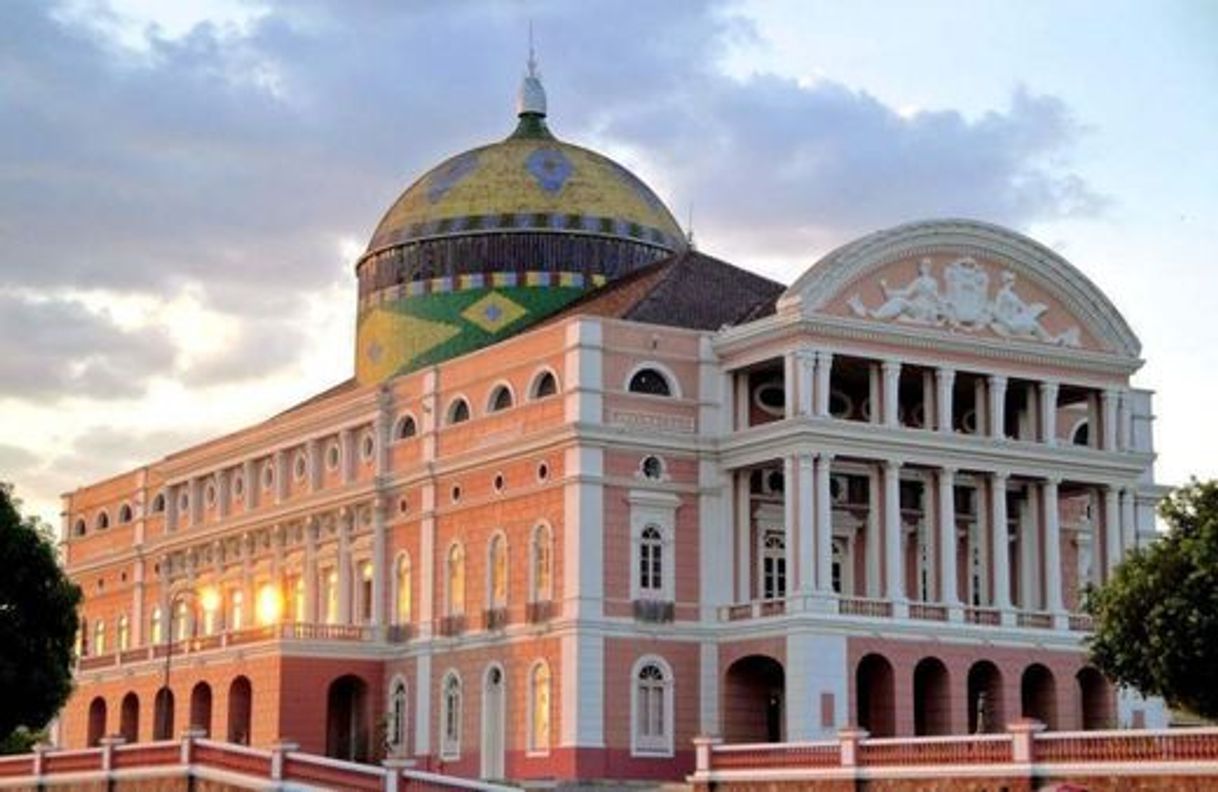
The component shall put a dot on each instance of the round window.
(770, 397)
(652, 468)
(543, 471)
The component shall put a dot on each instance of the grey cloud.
(58, 348)
(262, 348)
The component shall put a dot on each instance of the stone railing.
(282, 767)
(1025, 751)
(829, 605)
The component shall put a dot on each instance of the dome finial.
(532, 97)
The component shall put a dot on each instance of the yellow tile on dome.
(493, 312)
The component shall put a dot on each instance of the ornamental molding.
(832, 274)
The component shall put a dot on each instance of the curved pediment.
(963, 277)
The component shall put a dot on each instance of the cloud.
(57, 348)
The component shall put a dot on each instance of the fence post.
(188, 741)
(1023, 732)
(849, 739)
(393, 772)
(702, 753)
(107, 745)
(278, 752)
(40, 751)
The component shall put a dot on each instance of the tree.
(38, 623)
(1156, 620)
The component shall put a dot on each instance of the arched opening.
(649, 381)
(406, 428)
(240, 705)
(874, 694)
(162, 715)
(493, 723)
(129, 718)
(1038, 695)
(97, 721)
(347, 719)
(932, 698)
(501, 399)
(1095, 700)
(545, 385)
(754, 699)
(200, 708)
(458, 411)
(985, 715)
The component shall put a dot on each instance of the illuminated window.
(181, 621)
(404, 592)
(539, 708)
(155, 629)
(498, 568)
(99, 637)
(124, 633)
(455, 580)
(236, 609)
(365, 592)
(542, 590)
(329, 595)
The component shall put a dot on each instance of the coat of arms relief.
(963, 303)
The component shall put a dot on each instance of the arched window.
(651, 562)
(539, 708)
(773, 565)
(103, 521)
(330, 595)
(406, 428)
(501, 399)
(124, 633)
(99, 637)
(236, 609)
(158, 503)
(497, 563)
(450, 716)
(181, 621)
(402, 578)
(397, 716)
(1081, 435)
(155, 629)
(124, 513)
(542, 566)
(80, 529)
(455, 580)
(545, 384)
(458, 411)
(652, 716)
(650, 381)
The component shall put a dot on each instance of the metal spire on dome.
(532, 97)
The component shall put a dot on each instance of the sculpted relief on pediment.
(959, 296)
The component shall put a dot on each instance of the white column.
(873, 392)
(1112, 529)
(875, 542)
(824, 369)
(1053, 546)
(945, 381)
(894, 557)
(1000, 548)
(310, 571)
(346, 524)
(790, 516)
(998, 406)
(981, 415)
(1129, 525)
(807, 526)
(1126, 420)
(1048, 413)
(790, 381)
(805, 367)
(1108, 427)
(744, 521)
(824, 526)
(892, 383)
(380, 565)
(251, 486)
(948, 574)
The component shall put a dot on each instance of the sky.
(185, 186)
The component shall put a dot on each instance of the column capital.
(1109, 394)
(947, 372)
(1000, 475)
(824, 356)
(1053, 479)
(893, 464)
(997, 379)
(890, 365)
(806, 354)
(1050, 385)
(806, 458)
(948, 470)
(826, 456)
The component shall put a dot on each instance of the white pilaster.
(998, 406)
(790, 517)
(1126, 420)
(583, 691)
(790, 384)
(892, 383)
(1129, 525)
(1108, 426)
(948, 575)
(807, 524)
(427, 559)
(894, 556)
(1048, 413)
(380, 563)
(584, 369)
(1112, 529)
(816, 670)
(1053, 547)
(715, 537)
(824, 525)
(875, 542)
(824, 370)
(708, 688)
(422, 709)
(805, 367)
(945, 382)
(1000, 548)
(744, 519)
(583, 532)
(346, 523)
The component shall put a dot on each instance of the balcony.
(451, 626)
(654, 611)
(538, 612)
(495, 618)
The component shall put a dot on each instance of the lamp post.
(209, 601)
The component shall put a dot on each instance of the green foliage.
(21, 740)
(38, 623)
(1156, 620)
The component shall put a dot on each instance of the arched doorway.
(985, 715)
(162, 715)
(493, 723)
(97, 721)
(1038, 695)
(932, 698)
(347, 719)
(240, 706)
(874, 693)
(129, 718)
(200, 708)
(1095, 700)
(754, 693)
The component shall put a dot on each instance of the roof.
(688, 289)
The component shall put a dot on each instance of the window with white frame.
(651, 704)
(329, 595)
(450, 717)
(156, 630)
(364, 578)
(542, 565)
(454, 580)
(653, 564)
(539, 708)
(181, 621)
(99, 637)
(397, 716)
(497, 565)
(402, 581)
(124, 633)
(650, 381)
(773, 565)
(545, 384)
(236, 609)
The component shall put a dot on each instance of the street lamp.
(210, 601)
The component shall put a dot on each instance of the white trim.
(498, 533)
(493, 732)
(494, 391)
(401, 419)
(535, 593)
(661, 746)
(532, 748)
(659, 510)
(452, 405)
(674, 384)
(535, 381)
(450, 748)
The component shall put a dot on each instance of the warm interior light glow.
(270, 604)
(209, 599)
